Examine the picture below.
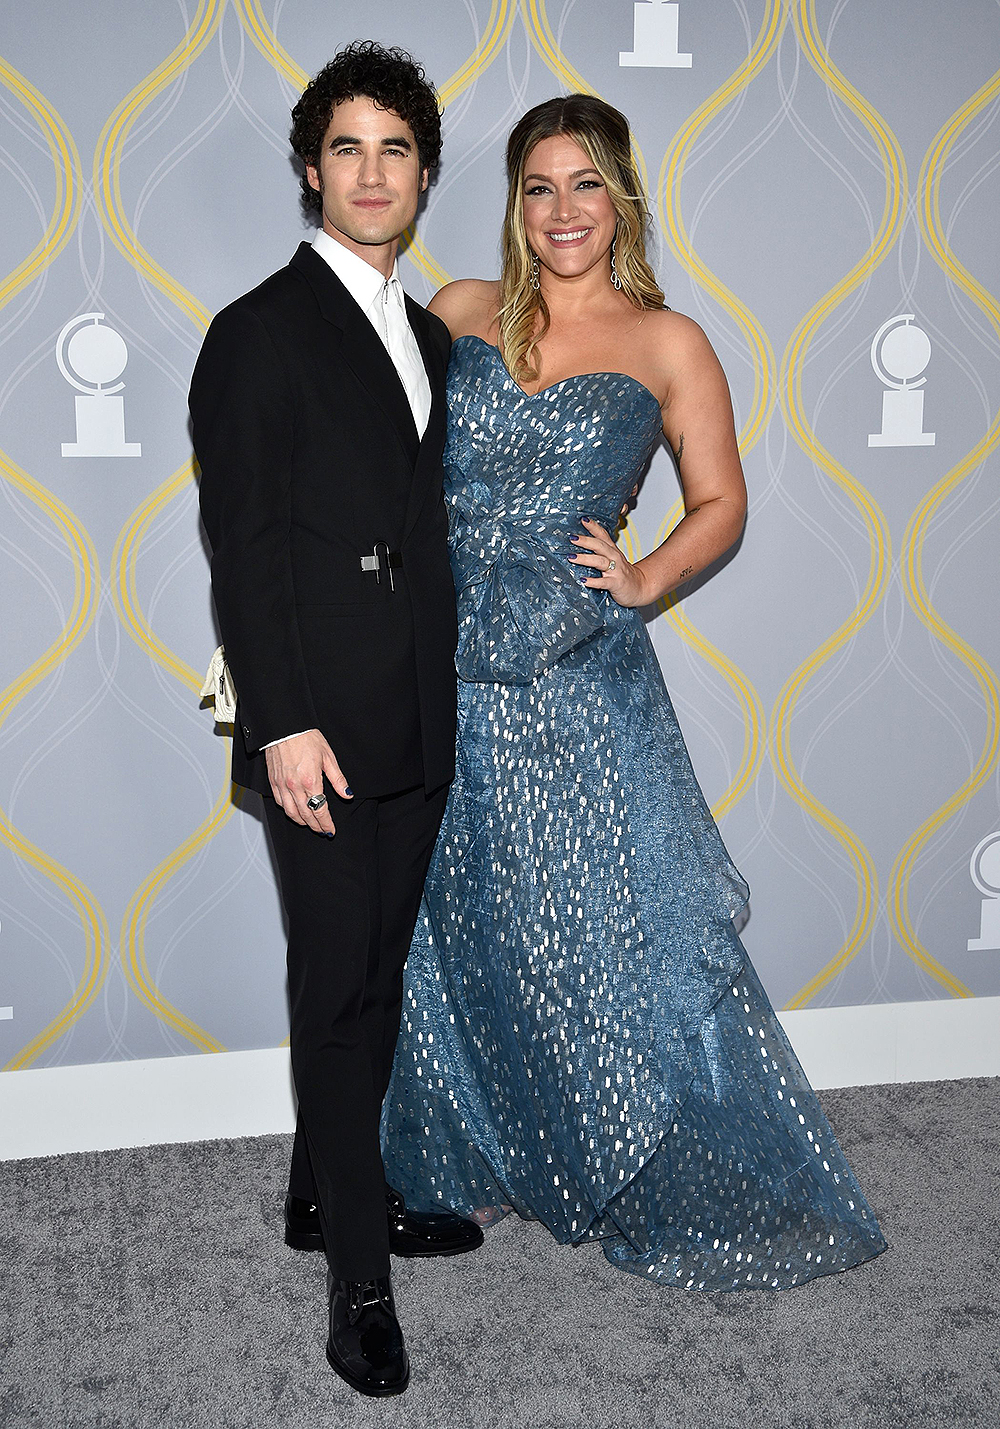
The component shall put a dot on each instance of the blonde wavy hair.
(603, 134)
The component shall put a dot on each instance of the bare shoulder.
(687, 370)
(677, 341)
(469, 305)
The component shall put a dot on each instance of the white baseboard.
(105, 1105)
(897, 1041)
(51, 1110)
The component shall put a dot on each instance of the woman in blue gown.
(583, 1038)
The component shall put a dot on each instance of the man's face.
(369, 175)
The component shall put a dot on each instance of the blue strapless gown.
(583, 1039)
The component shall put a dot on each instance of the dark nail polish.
(328, 836)
(349, 792)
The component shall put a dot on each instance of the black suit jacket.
(309, 456)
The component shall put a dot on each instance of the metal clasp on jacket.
(382, 559)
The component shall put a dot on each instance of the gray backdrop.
(817, 170)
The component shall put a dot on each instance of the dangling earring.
(533, 278)
(616, 282)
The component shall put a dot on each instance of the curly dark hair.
(390, 77)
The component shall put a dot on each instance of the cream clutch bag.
(219, 686)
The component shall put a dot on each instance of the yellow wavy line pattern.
(133, 951)
(86, 572)
(107, 171)
(494, 37)
(123, 563)
(130, 613)
(672, 221)
(253, 21)
(764, 366)
(751, 705)
(108, 157)
(749, 700)
(66, 166)
(540, 33)
(793, 362)
(928, 207)
(498, 27)
(772, 383)
(86, 584)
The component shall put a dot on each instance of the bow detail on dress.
(520, 606)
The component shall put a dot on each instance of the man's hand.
(295, 768)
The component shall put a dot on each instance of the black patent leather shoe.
(411, 1233)
(365, 1345)
(302, 1228)
(428, 1232)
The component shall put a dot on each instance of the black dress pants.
(351, 904)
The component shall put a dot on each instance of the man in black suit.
(318, 414)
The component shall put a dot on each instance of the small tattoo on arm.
(687, 571)
(692, 511)
(679, 451)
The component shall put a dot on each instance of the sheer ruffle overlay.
(583, 1039)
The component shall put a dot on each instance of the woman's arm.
(698, 424)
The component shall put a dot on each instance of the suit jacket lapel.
(362, 348)
(428, 457)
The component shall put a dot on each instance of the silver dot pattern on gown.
(583, 1038)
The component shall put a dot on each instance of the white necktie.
(393, 327)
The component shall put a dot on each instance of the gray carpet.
(151, 1288)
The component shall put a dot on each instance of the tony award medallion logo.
(91, 356)
(984, 870)
(899, 354)
(655, 38)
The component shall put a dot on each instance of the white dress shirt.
(381, 300)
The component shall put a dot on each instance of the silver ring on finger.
(316, 802)
(611, 566)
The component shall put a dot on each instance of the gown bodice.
(520, 473)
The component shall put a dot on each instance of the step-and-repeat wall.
(824, 181)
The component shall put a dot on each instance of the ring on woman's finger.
(316, 802)
(611, 566)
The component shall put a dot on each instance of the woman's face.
(569, 218)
